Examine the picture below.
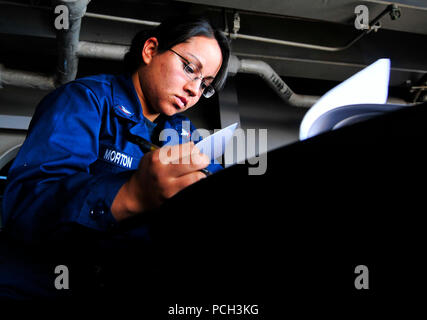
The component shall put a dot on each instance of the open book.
(358, 98)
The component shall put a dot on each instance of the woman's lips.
(181, 102)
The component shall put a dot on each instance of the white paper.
(369, 85)
(214, 145)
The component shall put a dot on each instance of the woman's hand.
(161, 174)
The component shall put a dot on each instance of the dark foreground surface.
(283, 243)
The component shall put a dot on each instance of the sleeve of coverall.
(49, 185)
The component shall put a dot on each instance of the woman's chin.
(173, 110)
(170, 109)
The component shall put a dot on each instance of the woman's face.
(166, 87)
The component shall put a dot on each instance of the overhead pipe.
(116, 52)
(389, 9)
(266, 72)
(122, 19)
(105, 51)
(26, 79)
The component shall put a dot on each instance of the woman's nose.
(192, 87)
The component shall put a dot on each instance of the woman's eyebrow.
(198, 63)
(200, 66)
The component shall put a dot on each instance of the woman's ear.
(149, 49)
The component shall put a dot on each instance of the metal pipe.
(266, 72)
(101, 50)
(68, 41)
(283, 42)
(26, 79)
(312, 46)
(121, 19)
(116, 52)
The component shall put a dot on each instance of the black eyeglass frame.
(207, 89)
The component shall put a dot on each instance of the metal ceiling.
(310, 22)
(413, 19)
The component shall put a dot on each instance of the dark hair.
(174, 31)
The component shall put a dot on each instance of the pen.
(147, 146)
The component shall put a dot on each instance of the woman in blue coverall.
(77, 166)
(77, 163)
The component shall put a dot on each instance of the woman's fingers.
(163, 173)
(175, 154)
(180, 160)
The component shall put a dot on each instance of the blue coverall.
(77, 156)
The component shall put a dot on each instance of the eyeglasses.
(192, 73)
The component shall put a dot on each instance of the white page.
(369, 85)
(214, 145)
